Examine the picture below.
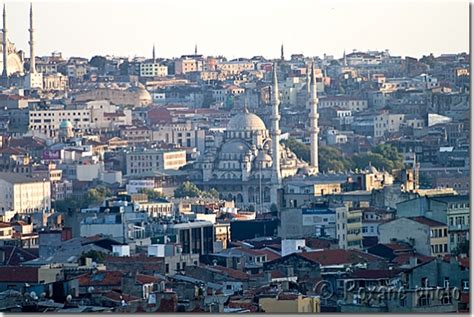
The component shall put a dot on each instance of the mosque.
(14, 58)
(247, 163)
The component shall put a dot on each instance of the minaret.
(275, 135)
(344, 59)
(153, 54)
(5, 48)
(282, 54)
(32, 43)
(195, 49)
(313, 117)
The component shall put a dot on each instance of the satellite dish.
(69, 298)
(90, 289)
(94, 265)
(33, 295)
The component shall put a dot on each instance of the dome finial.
(246, 108)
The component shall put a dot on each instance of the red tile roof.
(101, 278)
(236, 274)
(338, 257)
(19, 274)
(146, 279)
(117, 297)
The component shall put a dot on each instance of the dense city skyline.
(404, 32)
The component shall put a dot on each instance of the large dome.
(246, 122)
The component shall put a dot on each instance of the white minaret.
(32, 43)
(275, 135)
(313, 118)
(5, 48)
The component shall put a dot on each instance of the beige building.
(427, 236)
(235, 67)
(55, 82)
(151, 161)
(349, 228)
(151, 69)
(24, 194)
(290, 303)
(47, 122)
(187, 65)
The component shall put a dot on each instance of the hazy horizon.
(246, 29)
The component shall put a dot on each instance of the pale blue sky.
(241, 28)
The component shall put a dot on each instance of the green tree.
(97, 195)
(151, 194)
(99, 62)
(96, 256)
(330, 158)
(187, 189)
(303, 151)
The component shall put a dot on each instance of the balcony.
(459, 227)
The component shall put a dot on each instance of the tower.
(282, 53)
(195, 49)
(5, 48)
(153, 54)
(275, 135)
(32, 43)
(344, 59)
(313, 117)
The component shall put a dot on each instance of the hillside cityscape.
(200, 183)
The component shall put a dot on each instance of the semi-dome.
(246, 122)
(234, 147)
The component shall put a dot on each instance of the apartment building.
(47, 122)
(349, 228)
(152, 161)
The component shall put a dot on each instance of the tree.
(187, 189)
(123, 68)
(97, 195)
(383, 156)
(99, 62)
(330, 158)
(213, 193)
(151, 194)
(303, 151)
(96, 256)
(462, 248)
(273, 208)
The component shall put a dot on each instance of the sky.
(242, 28)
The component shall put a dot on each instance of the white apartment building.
(23, 194)
(48, 121)
(150, 161)
(353, 104)
(151, 69)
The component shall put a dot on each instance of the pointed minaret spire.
(153, 54)
(282, 53)
(195, 49)
(32, 43)
(344, 59)
(275, 136)
(313, 117)
(5, 46)
(308, 82)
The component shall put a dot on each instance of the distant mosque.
(12, 60)
(247, 163)
(14, 57)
